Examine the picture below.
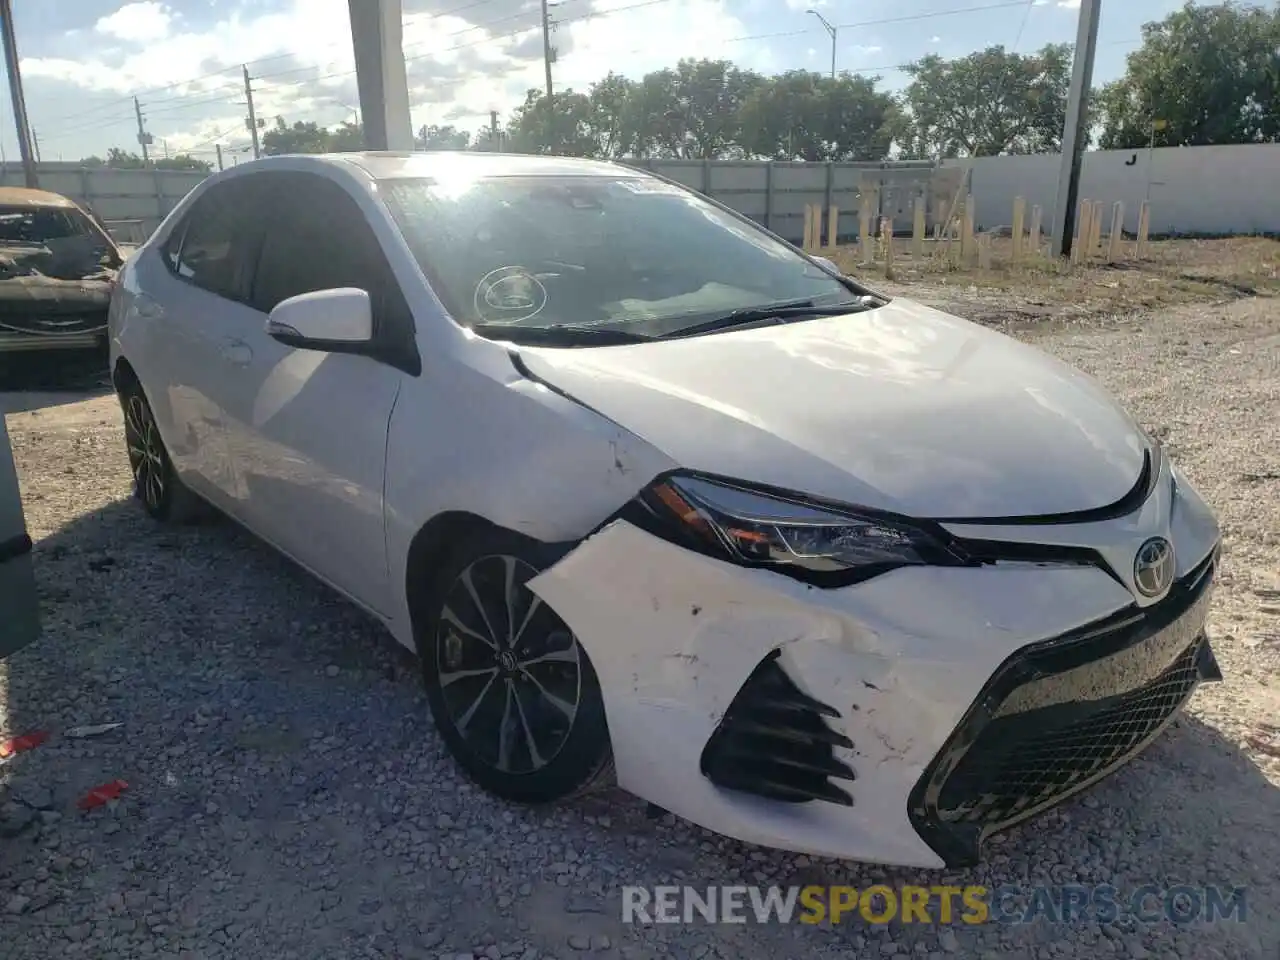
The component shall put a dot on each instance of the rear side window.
(218, 240)
(318, 239)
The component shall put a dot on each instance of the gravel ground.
(288, 798)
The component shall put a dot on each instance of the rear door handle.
(237, 352)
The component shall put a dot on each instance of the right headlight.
(811, 541)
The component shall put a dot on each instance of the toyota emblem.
(1153, 567)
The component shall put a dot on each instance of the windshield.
(627, 253)
(38, 224)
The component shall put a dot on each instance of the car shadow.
(272, 736)
(31, 381)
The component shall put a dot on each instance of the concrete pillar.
(376, 30)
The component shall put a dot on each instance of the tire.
(155, 483)
(525, 719)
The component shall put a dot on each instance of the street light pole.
(826, 25)
(29, 170)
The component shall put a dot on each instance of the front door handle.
(237, 352)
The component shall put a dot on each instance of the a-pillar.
(376, 31)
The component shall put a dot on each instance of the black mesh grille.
(1020, 766)
(774, 742)
(1060, 715)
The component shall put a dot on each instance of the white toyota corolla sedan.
(654, 495)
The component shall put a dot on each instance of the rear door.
(199, 295)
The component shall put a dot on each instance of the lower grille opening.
(1028, 759)
(774, 742)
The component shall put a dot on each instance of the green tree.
(300, 138)
(1204, 75)
(693, 111)
(447, 137)
(562, 127)
(119, 159)
(810, 116)
(183, 161)
(987, 103)
(348, 138)
(615, 117)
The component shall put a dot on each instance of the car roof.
(388, 165)
(24, 197)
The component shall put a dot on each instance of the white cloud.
(143, 22)
(1069, 4)
(635, 42)
(301, 60)
(935, 39)
(805, 4)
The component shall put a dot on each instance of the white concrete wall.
(1233, 189)
(1230, 189)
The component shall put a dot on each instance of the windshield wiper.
(560, 333)
(791, 309)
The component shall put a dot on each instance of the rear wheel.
(513, 693)
(155, 482)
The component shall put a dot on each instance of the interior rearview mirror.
(323, 320)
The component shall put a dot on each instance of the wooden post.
(1019, 211)
(984, 251)
(940, 225)
(917, 231)
(864, 229)
(1117, 232)
(812, 226)
(1080, 249)
(1033, 243)
(1095, 246)
(833, 226)
(886, 234)
(966, 231)
(1144, 225)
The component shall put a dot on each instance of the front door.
(309, 429)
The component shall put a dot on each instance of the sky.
(83, 61)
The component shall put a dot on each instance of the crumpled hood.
(901, 408)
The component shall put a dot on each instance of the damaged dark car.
(57, 267)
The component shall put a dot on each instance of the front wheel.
(155, 482)
(512, 691)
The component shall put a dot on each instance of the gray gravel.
(288, 797)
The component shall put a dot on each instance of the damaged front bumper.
(900, 720)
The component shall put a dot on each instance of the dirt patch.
(1171, 273)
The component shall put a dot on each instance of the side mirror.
(824, 262)
(337, 321)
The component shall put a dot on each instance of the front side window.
(319, 239)
(623, 252)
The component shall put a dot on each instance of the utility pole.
(144, 138)
(218, 148)
(30, 173)
(252, 122)
(548, 55)
(1076, 132)
(493, 131)
(832, 30)
(35, 143)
